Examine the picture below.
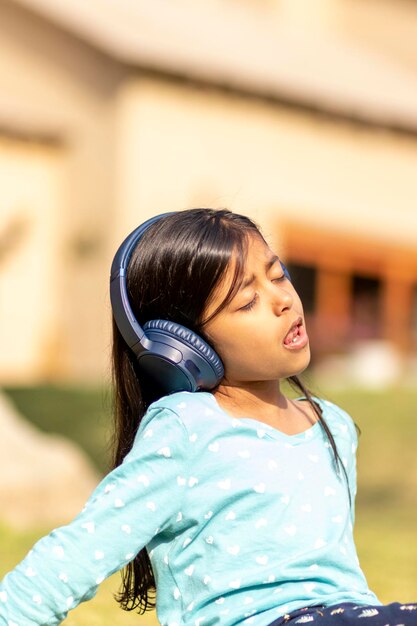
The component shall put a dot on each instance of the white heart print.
(58, 551)
(89, 527)
(144, 480)
(235, 584)
(261, 522)
(262, 560)
(166, 452)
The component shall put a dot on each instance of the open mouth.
(296, 336)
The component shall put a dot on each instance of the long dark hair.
(172, 275)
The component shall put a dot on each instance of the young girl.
(232, 501)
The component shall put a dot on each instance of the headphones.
(177, 358)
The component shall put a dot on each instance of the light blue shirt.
(242, 522)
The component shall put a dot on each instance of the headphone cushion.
(189, 338)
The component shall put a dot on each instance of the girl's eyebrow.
(268, 265)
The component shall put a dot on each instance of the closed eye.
(281, 278)
(250, 305)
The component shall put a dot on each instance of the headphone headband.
(129, 327)
(174, 356)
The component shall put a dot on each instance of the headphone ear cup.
(199, 368)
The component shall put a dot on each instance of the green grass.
(386, 510)
(102, 610)
(386, 506)
(81, 414)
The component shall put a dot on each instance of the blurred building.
(301, 115)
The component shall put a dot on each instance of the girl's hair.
(172, 275)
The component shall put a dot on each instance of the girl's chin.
(293, 365)
(298, 365)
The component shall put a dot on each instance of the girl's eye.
(250, 305)
(283, 277)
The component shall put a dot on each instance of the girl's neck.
(266, 403)
(263, 398)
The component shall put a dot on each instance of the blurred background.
(300, 114)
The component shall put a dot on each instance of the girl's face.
(260, 335)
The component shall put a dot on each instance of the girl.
(233, 502)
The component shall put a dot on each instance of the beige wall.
(386, 26)
(32, 198)
(56, 86)
(181, 147)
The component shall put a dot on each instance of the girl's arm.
(125, 511)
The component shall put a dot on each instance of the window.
(304, 280)
(366, 308)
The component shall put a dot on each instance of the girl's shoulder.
(170, 418)
(188, 407)
(181, 402)
(336, 417)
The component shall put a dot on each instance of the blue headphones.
(172, 354)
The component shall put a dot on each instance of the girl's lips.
(299, 340)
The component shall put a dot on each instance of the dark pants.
(347, 613)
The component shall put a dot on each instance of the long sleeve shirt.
(242, 522)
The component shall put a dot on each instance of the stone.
(45, 479)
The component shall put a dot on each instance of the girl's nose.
(282, 299)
